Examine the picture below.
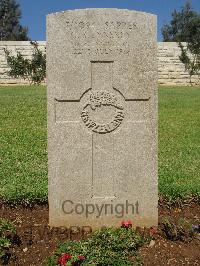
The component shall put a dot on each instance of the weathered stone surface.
(102, 117)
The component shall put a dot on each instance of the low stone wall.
(170, 70)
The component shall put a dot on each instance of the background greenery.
(10, 27)
(23, 142)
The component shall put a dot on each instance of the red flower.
(153, 231)
(81, 257)
(65, 257)
(62, 260)
(126, 224)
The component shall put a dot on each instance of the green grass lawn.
(23, 143)
(179, 141)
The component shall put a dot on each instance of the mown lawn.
(179, 141)
(23, 145)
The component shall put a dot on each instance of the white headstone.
(102, 117)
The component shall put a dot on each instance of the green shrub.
(103, 248)
(33, 70)
(182, 230)
(6, 228)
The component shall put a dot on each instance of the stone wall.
(171, 71)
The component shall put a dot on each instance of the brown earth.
(167, 252)
(35, 240)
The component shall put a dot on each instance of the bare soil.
(167, 252)
(35, 240)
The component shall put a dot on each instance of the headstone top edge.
(83, 10)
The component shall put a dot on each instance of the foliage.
(182, 230)
(10, 28)
(6, 228)
(183, 25)
(33, 70)
(105, 247)
(190, 56)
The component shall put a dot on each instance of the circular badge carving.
(103, 111)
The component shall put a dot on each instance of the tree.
(190, 57)
(185, 27)
(10, 28)
(184, 24)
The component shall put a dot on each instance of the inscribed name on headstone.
(102, 118)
